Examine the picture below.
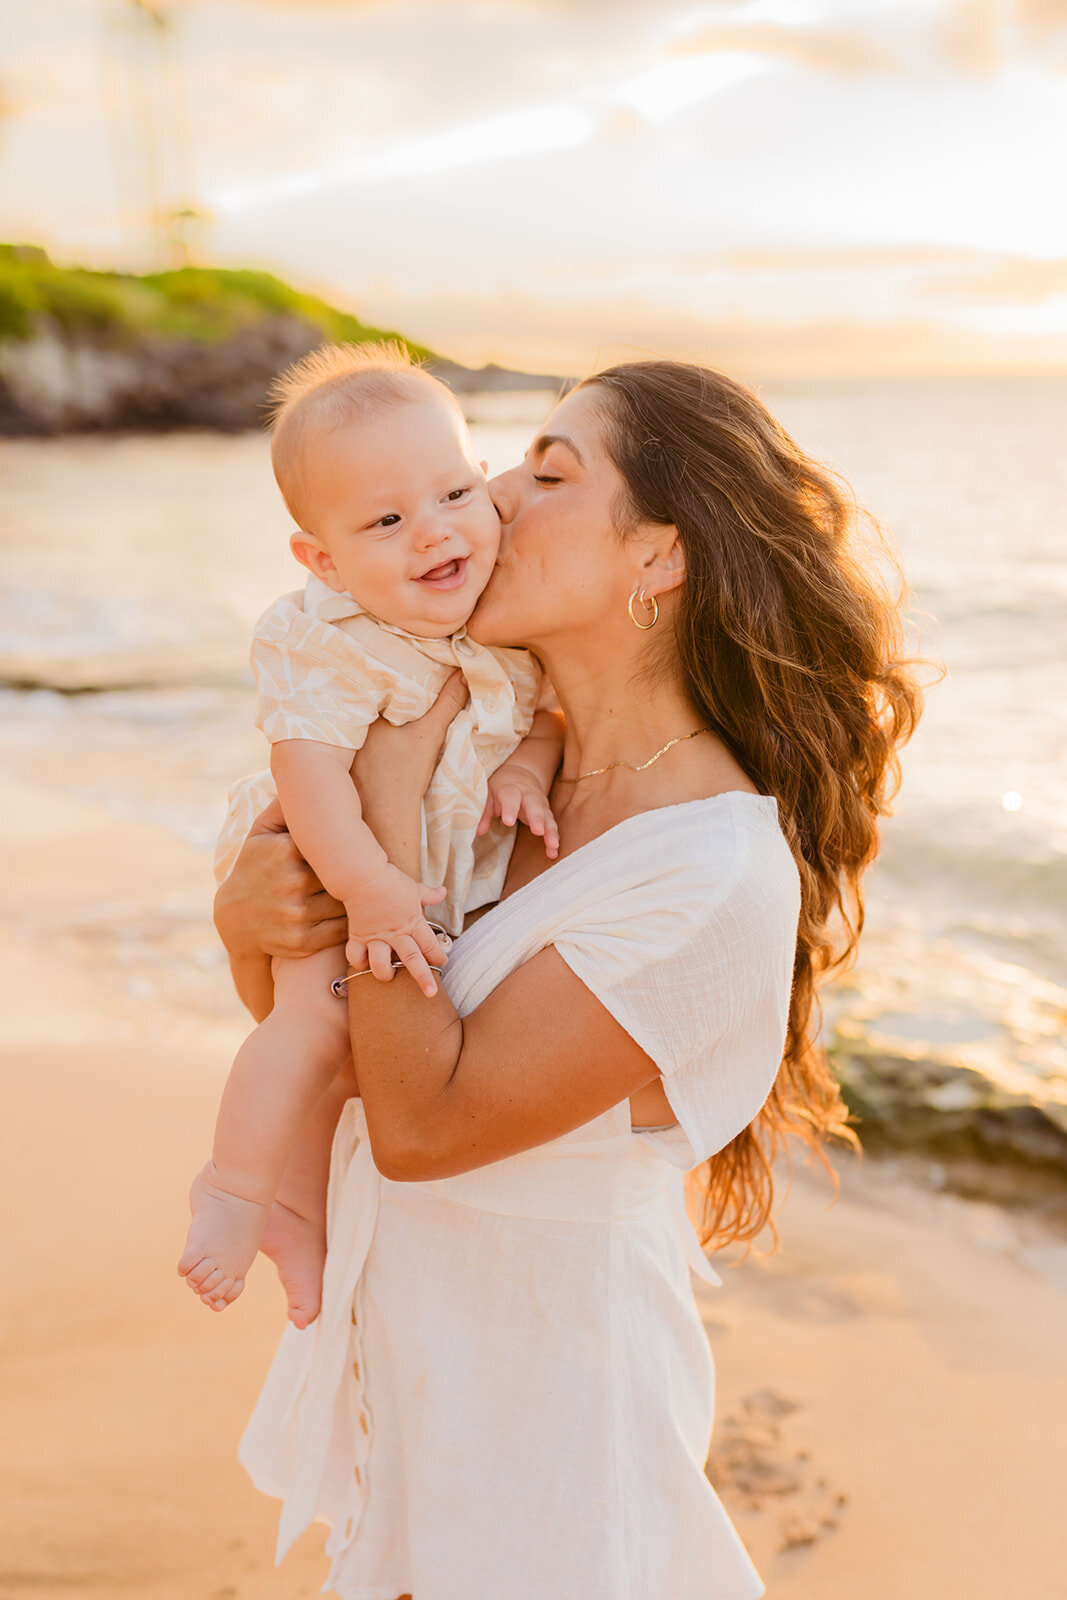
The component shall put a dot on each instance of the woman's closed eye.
(544, 477)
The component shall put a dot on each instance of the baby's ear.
(485, 467)
(311, 554)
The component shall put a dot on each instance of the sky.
(777, 186)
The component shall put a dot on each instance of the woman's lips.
(448, 575)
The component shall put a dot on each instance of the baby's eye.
(390, 520)
(457, 494)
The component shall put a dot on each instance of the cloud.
(859, 258)
(1042, 17)
(571, 339)
(982, 37)
(849, 54)
(1012, 280)
(968, 37)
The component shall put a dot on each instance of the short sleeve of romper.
(314, 683)
(694, 958)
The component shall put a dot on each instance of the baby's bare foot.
(222, 1242)
(297, 1247)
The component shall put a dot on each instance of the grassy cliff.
(206, 304)
(196, 347)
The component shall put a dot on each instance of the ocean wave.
(86, 643)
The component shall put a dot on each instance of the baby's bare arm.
(322, 812)
(384, 906)
(519, 788)
(542, 749)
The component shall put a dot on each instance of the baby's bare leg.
(295, 1235)
(279, 1075)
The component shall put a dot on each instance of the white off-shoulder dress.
(509, 1391)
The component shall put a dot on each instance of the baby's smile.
(446, 575)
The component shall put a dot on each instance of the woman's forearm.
(271, 905)
(405, 1046)
(254, 982)
(250, 966)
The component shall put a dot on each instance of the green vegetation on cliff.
(207, 304)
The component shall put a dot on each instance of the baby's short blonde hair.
(333, 386)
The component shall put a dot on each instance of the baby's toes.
(196, 1276)
(223, 1294)
(189, 1260)
(207, 1276)
(215, 1285)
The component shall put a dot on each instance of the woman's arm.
(538, 1057)
(442, 1095)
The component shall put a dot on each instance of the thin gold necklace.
(682, 737)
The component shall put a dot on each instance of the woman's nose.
(502, 494)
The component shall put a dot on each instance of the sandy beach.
(892, 1409)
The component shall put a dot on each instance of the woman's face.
(562, 566)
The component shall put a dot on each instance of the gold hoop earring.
(652, 601)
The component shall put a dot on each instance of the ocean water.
(131, 570)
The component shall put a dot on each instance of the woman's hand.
(393, 772)
(272, 903)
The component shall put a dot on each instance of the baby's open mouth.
(448, 575)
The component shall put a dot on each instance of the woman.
(508, 1391)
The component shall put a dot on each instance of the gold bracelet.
(339, 985)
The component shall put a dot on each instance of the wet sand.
(892, 1410)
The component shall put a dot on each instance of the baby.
(399, 535)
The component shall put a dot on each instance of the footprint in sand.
(755, 1465)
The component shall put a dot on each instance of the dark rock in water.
(925, 1102)
(490, 379)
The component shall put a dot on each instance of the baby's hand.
(515, 794)
(386, 918)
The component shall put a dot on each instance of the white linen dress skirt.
(508, 1393)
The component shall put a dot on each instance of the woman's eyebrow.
(546, 439)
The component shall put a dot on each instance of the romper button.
(355, 1369)
(490, 703)
(363, 1422)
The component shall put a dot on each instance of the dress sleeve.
(695, 961)
(312, 682)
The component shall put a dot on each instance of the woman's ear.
(311, 554)
(664, 568)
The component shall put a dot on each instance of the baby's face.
(399, 515)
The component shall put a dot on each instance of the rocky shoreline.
(55, 382)
(984, 1139)
(196, 347)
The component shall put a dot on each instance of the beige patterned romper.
(326, 669)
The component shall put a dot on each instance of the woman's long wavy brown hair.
(790, 639)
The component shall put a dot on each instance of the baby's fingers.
(380, 959)
(537, 815)
(417, 965)
(509, 803)
(429, 944)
